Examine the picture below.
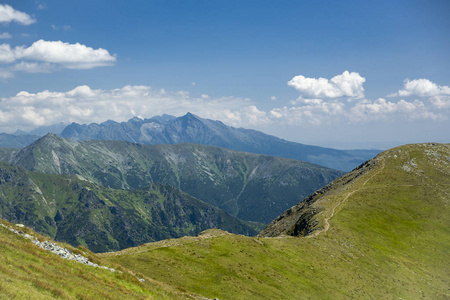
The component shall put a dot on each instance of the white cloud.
(33, 67)
(310, 111)
(5, 35)
(72, 56)
(45, 56)
(440, 102)
(6, 54)
(344, 85)
(381, 109)
(9, 14)
(86, 105)
(63, 27)
(422, 87)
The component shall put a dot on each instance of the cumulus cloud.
(440, 102)
(422, 87)
(72, 56)
(6, 54)
(321, 101)
(43, 56)
(86, 105)
(345, 85)
(9, 14)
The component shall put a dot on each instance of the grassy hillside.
(29, 272)
(249, 186)
(102, 219)
(380, 232)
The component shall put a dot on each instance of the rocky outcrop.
(56, 249)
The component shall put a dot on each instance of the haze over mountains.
(193, 129)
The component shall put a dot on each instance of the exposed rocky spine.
(56, 249)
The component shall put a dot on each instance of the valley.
(249, 186)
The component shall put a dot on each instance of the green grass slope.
(29, 272)
(103, 219)
(248, 186)
(380, 232)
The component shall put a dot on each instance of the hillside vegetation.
(29, 272)
(249, 186)
(379, 232)
(102, 219)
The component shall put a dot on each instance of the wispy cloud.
(63, 27)
(5, 35)
(41, 5)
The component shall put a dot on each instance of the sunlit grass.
(389, 240)
(29, 272)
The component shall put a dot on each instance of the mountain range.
(249, 186)
(81, 213)
(193, 129)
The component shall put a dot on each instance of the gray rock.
(54, 248)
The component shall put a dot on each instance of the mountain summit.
(193, 129)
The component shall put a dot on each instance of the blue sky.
(345, 74)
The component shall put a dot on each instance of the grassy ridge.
(388, 238)
(29, 272)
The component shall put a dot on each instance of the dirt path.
(326, 220)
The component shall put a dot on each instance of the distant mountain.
(16, 141)
(43, 130)
(249, 186)
(168, 129)
(193, 129)
(102, 219)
